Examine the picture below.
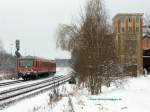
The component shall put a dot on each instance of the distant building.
(146, 53)
(146, 42)
(128, 29)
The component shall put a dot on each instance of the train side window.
(36, 63)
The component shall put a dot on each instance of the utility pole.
(17, 49)
(18, 55)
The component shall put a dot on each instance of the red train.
(30, 67)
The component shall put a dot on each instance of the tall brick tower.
(128, 30)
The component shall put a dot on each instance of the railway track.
(10, 83)
(3, 84)
(11, 95)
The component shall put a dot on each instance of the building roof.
(128, 14)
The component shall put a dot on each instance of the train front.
(25, 68)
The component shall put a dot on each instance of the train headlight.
(28, 73)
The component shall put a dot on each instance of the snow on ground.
(63, 70)
(41, 102)
(133, 96)
(9, 80)
(5, 76)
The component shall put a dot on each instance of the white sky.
(34, 22)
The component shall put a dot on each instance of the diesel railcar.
(30, 67)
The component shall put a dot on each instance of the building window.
(118, 25)
(130, 29)
(137, 29)
(137, 19)
(126, 25)
(122, 29)
(137, 24)
(119, 45)
(130, 19)
(130, 23)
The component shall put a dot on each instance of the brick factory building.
(128, 30)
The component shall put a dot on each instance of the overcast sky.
(34, 22)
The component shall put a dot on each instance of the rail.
(10, 83)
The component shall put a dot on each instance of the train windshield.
(26, 62)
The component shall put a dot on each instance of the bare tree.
(147, 24)
(91, 45)
(7, 61)
(1, 46)
(66, 36)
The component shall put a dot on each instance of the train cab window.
(26, 62)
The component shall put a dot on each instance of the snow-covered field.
(63, 70)
(4, 75)
(41, 102)
(133, 96)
